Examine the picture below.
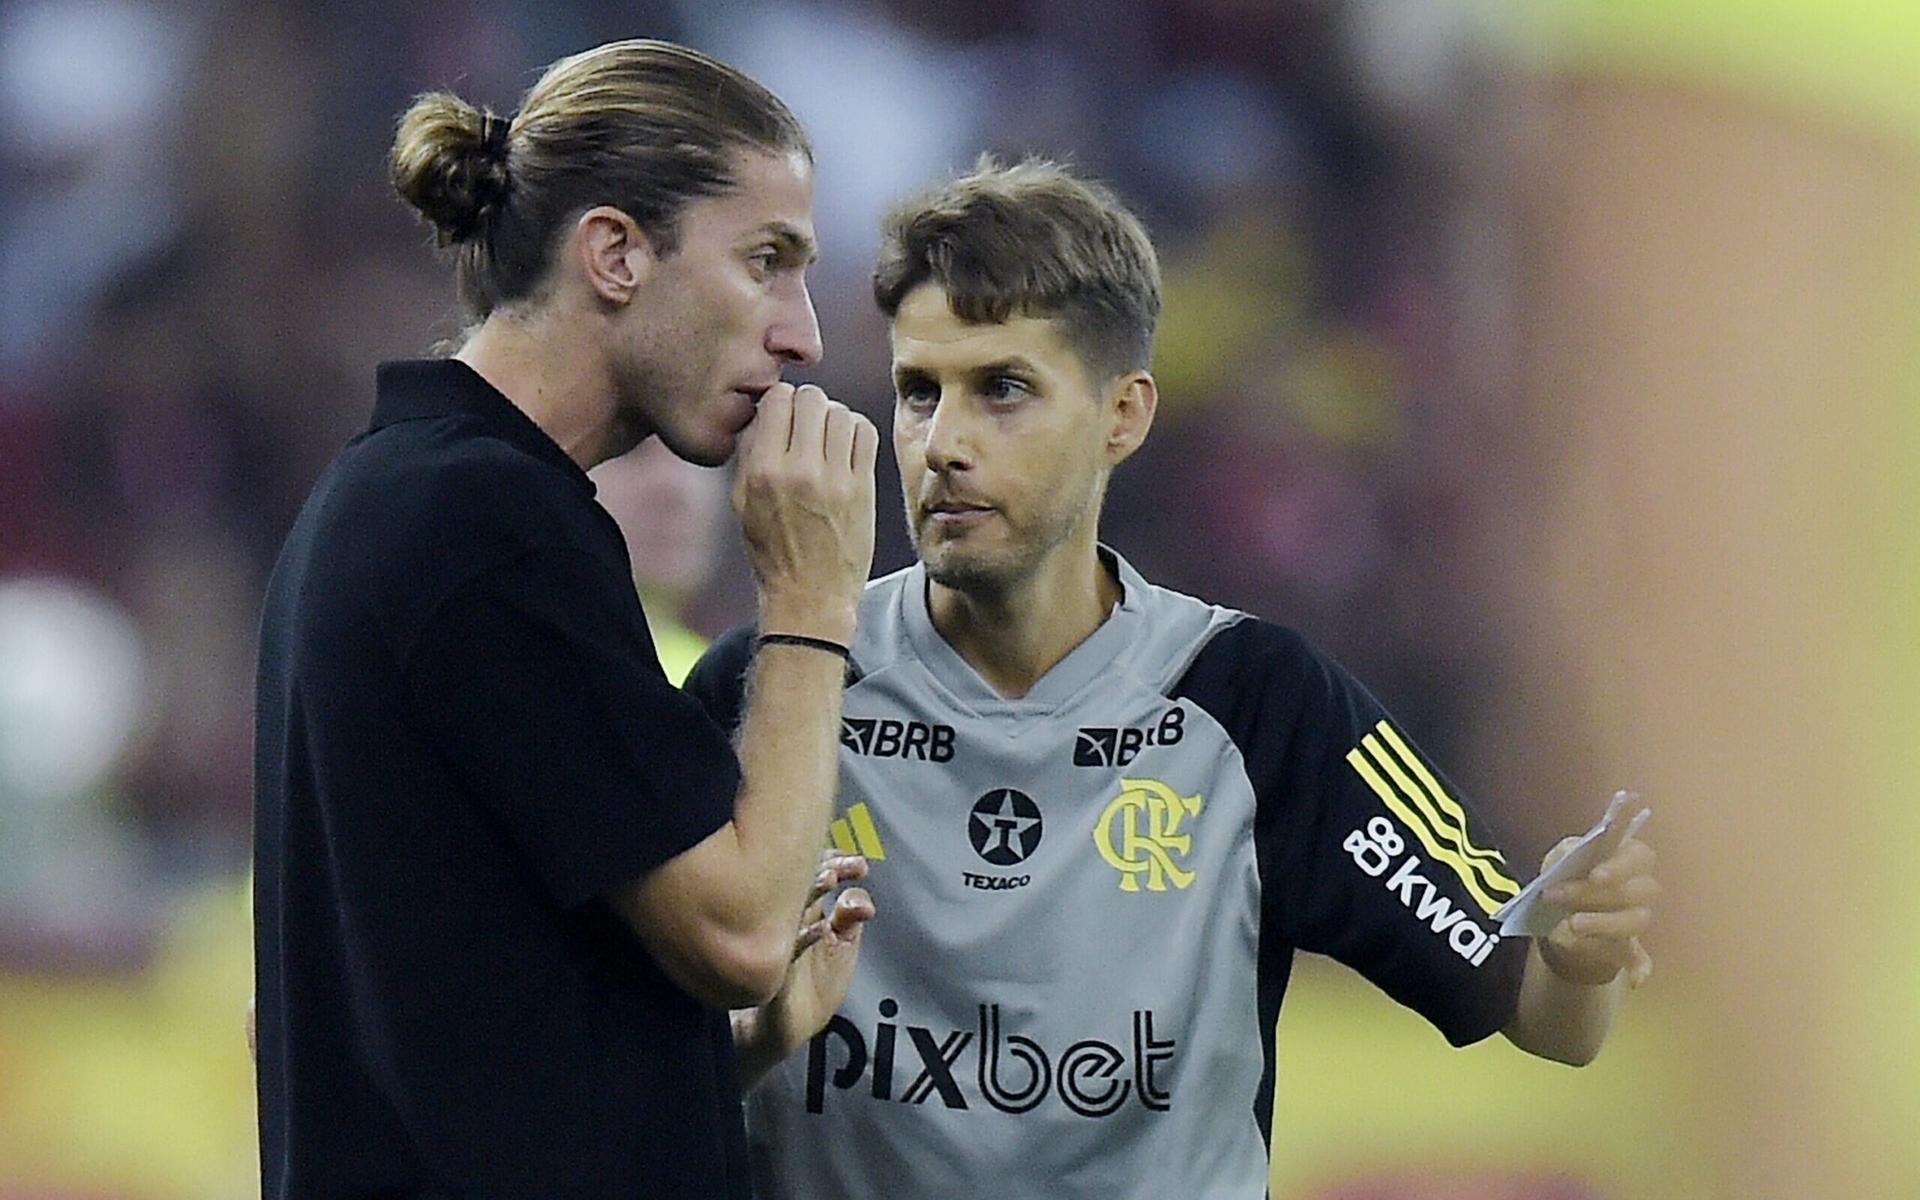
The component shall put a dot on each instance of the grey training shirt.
(1090, 899)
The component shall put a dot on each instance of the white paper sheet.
(1530, 914)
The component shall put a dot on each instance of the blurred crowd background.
(1553, 366)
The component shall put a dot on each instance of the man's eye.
(1006, 387)
(764, 261)
(918, 394)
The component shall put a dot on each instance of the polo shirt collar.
(414, 389)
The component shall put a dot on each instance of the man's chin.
(713, 458)
(715, 441)
(715, 450)
(974, 574)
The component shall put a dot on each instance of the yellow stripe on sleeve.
(1357, 759)
(1446, 803)
(1456, 839)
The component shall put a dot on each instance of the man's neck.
(559, 383)
(1012, 638)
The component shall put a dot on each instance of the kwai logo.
(1011, 1072)
(1374, 850)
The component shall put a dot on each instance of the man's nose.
(795, 336)
(949, 443)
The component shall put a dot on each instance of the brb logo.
(1109, 746)
(884, 737)
(1013, 1073)
(1373, 851)
(1139, 834)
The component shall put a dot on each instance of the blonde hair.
(644, 126)
(1033, 239)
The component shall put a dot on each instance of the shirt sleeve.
(719, 680)
(1382, 864)
(1366, 853)
(539, 683)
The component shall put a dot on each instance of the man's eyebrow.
(792, 242)
(1011, 365)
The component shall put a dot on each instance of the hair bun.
(450, 162)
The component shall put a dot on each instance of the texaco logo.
(1005, 827)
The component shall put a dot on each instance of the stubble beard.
(990, 574)
(659, 393)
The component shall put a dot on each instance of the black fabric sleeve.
(719, 680)
(539, 683)
(1367, 853)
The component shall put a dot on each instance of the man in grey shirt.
(1103, 816)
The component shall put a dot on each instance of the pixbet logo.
(1373, 851)
(1011, 1072)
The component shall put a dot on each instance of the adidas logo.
(856, 833)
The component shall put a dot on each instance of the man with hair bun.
(508, 879)
(1104, 816)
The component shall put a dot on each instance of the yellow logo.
(1149, 814)
(855, 834)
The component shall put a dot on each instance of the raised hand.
(804, 494)
(1608, 909)
(825, 952)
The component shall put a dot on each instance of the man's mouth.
(950, 513)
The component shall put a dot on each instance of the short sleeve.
(1386, 867)
(719, 680)
(539, 683)
(1366, 853)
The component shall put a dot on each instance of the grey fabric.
(1060, 1008)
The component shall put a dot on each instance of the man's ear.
(1131, 402)
(615, 254)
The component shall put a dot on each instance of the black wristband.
(801, 639)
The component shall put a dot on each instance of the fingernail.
(1557, 894)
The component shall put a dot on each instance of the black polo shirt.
(464, 739)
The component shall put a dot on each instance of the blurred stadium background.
(1554, 364)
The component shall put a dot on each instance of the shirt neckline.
(1094, 656)
(424, 388)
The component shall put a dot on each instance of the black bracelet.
(801, 639)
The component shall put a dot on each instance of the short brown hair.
(644, 126)
(1032, 239)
